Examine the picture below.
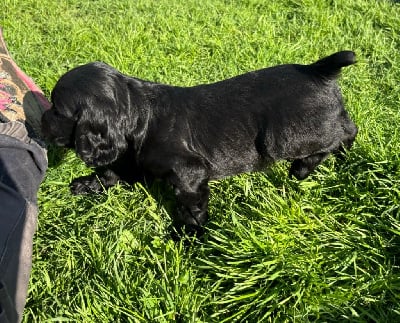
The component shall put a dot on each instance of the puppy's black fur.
(129, 128)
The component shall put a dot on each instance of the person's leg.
(17, 226)
(23, 163)
(22, 167)
(12, 221)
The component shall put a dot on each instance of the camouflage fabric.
(20, 99)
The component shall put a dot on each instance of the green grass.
(277, 250)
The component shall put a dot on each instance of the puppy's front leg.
(191, 189)
(94, 183)
(192, 210)
(301, 168)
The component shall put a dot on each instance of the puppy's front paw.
(299, 171)
(85, 185)
(178, 232)
(188, 223)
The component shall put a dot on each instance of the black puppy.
(129, 128)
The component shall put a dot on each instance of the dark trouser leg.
(22, 167)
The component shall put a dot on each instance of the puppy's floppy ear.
(98, 141)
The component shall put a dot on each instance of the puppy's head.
(86, 115)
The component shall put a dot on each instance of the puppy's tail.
(330, 66)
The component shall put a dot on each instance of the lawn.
(325, 249)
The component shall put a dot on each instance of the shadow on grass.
(56, 155)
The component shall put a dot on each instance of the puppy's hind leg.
(350, 133)
(190, 183)
(301, 168)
